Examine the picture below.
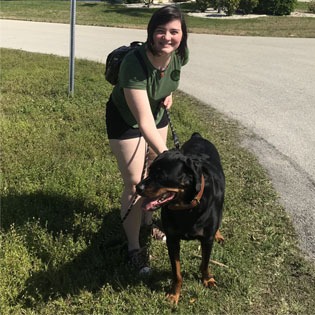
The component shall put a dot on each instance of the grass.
(103, 14)
(62, 247)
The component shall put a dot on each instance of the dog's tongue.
(156, 202)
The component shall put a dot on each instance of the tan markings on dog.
(207, 277)
(194, 203)
(151, 193)
(173, 297)
(210, 283)
(219, 237)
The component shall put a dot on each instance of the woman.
(134, 116)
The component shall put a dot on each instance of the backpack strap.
(139, 57)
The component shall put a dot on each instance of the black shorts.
(117, 128)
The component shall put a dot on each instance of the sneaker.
(157, 234)
(139, 259)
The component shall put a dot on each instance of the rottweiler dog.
(189, 185)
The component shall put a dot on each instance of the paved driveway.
(267, 84)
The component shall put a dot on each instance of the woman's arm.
(139, 105)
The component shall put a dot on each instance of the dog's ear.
(164, 159)
(195, 168)
(172, 153)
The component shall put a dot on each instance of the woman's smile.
(167, 37)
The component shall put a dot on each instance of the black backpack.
(115, 58)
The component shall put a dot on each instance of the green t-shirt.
(132, 76)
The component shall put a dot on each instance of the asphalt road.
(267, 84)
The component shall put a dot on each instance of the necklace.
(157, 64)
(162, 71)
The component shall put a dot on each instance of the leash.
(134, 197)
(175, 138)
(176, 143)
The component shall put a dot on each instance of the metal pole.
(72, 40)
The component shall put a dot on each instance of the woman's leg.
(130, 155)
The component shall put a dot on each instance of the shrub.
(248, 6)
(215, 4)
(272, 7)
(129, 1)
(311, 6)
(230, 6)
(276, 7)
(202, 5)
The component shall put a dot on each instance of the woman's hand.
(168, 101)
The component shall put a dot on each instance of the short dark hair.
(163, 16)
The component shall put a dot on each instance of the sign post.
(72, 40)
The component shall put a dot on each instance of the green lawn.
(63, 250)
(103, 14)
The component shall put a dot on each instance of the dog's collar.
(194, 203)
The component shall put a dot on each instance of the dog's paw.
(219, 238)
(210, 283)
(172, 298)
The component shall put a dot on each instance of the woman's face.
(167, 37)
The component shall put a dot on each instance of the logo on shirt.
(175, 75)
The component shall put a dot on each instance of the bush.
(230, 6)
(272, 7)
(248, 6)
(276, 7)
(311, 6)
(202, 5)
(129, 1)
(214, 4)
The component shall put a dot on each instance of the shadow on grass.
(89, 4)
(102, 262)
(55, 212)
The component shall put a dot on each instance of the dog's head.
(172, 178)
